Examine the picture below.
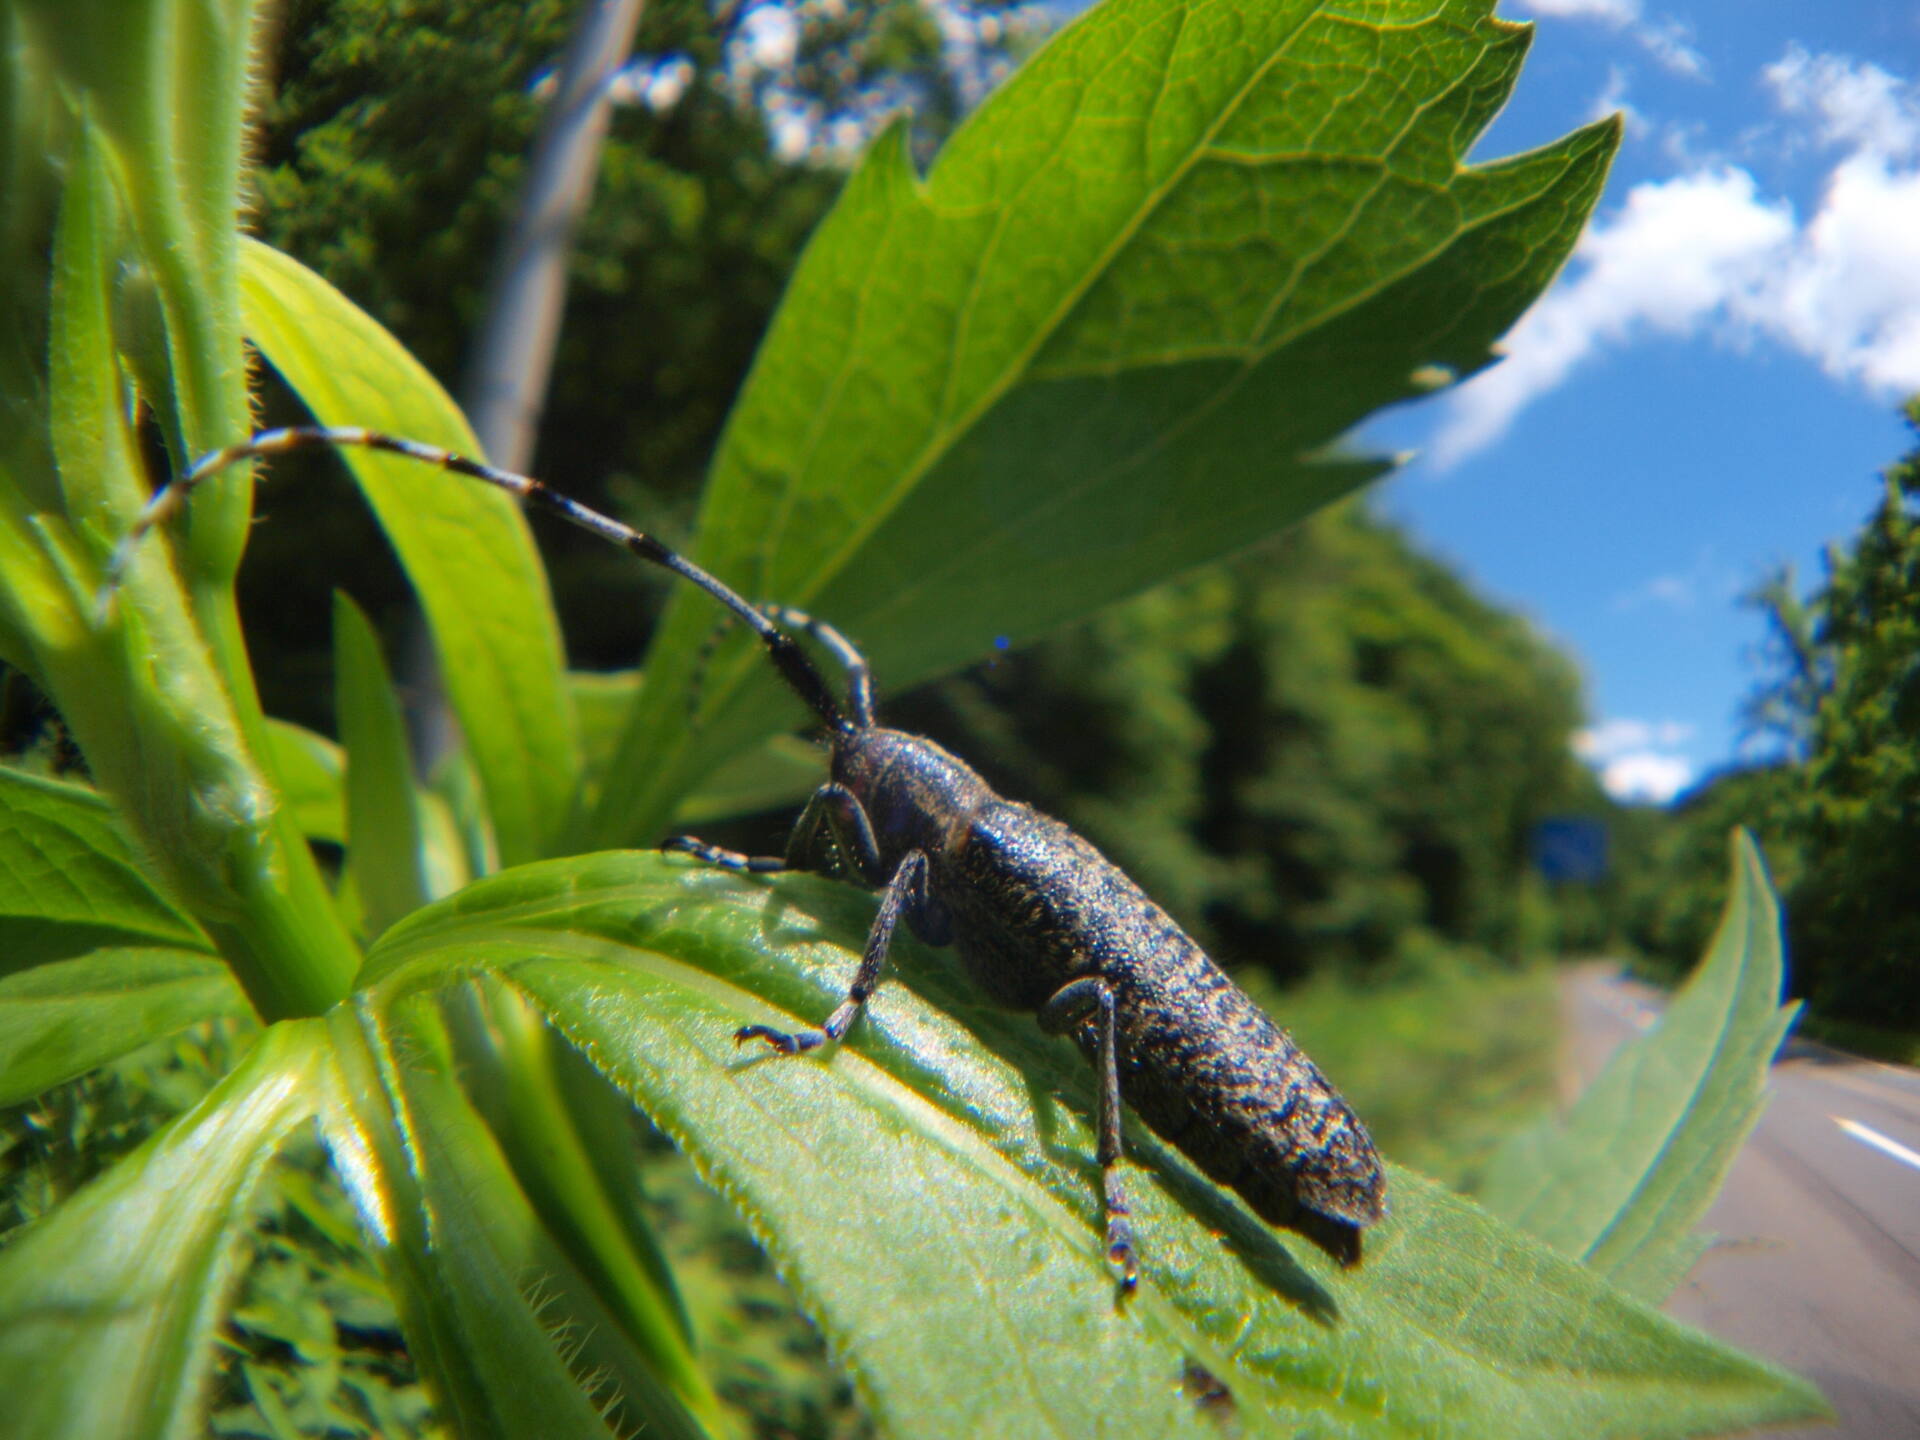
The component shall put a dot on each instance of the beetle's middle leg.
(906, 893)
(1091, 998)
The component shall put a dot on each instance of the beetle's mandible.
(1041, 919)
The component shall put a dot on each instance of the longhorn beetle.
(1042, 920)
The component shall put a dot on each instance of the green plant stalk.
(165, 709)
(196, 803)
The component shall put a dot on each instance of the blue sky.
(1711, 388)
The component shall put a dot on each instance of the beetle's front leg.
(1091, 998)
(905, 892)
(832, 811)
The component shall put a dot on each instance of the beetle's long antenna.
(859, 676)
(793, 663)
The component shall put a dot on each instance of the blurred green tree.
(1331, 750)
(1839, 812)
(1854, 687)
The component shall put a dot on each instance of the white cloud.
(1611, 739)
(1613, 12)
(1646, 776)
(1676, 592)
(1707, 253)
(1859, 106)
(1850, 294)
(1670, 44)
(1675, 254)
(1613, 101)
(1636, 759)
(1708, 580)
(1667, 40)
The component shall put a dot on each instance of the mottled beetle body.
(1041, 919)
(1031, 906)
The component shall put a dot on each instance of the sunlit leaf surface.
(465, 547)
(929, 1191)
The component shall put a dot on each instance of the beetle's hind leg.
(1091, 998)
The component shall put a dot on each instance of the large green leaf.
(1180, 253)
(782, 770)
(929, 1191)
(70, 881)
(464, 546)
(1623, 1180)
(61, 1019)
(110, 1306)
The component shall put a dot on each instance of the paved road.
(1818, 1264)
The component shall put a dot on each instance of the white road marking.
(1868, 1136)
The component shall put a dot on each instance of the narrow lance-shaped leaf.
(110, 1306)
(464, 546)
(567, 1135)
(1621, 1182)
(312, 775)
(385, 853)
(782, 770)
(166, 84)
(312, 771)
(1183, 250)
(930, 1192)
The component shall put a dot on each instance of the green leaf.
(311, 770)
(783, 769)
(1112, 334)
(514, 1338)
(568, 1136)
(70, 881)
(110, 1306)
(312, 773)
(464, 546)
(385, 854)
(1623, 1179)
(64, 1018)
(929, 1190)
